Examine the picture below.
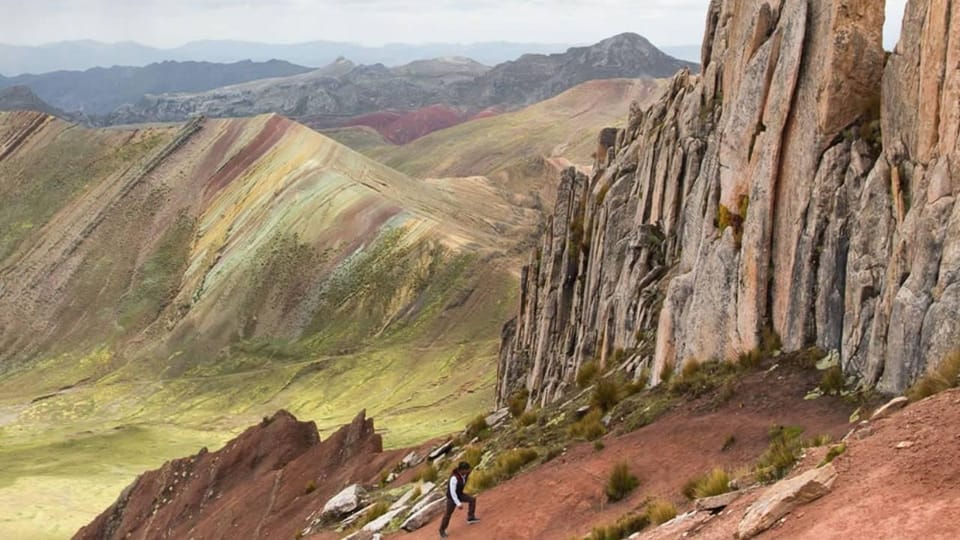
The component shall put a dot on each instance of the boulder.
(893, 405)
(781, 498)
(424, 515)
(717, 502)
(347, 501)
(404, 499)
(427, 499)
(411, 460)
(497, 417)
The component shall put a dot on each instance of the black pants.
(452, 507)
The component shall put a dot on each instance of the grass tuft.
(506, 465)
(310, 487)
(518, 402)
(473, 455)
(661, 511)
(621, 482)
(782, 453)
(944, 377)
(588, 372)
(832, 382)
(528, 418)
(427, 473)
(606, 394)
(624, 527)
(377, 510)
(477, 426)
(589, 428)
(832, 454)
(715, 482)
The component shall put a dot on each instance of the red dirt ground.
(564, 498)
(404, 127)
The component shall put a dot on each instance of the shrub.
(945, 376)
(621, 482)
(588, 372)
(832, 382)
(477, 426)
(518, 402)
(588, 428)
(480, 480)
(473, 455)
(606, 394)
(624, 527)
(310, 487)
(427, 473)
(528, 418)
(661, 511)
(781, 454)
(715, 482)
(834, 452)
(512, 461)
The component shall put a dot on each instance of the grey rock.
(782, 497)
(347, 501)
(423, 516)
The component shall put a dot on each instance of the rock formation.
(255, 487)
(803, 186)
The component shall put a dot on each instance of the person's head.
(463, 467)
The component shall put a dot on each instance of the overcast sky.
(168, 23)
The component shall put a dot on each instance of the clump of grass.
(715, 482)
(666, 374)
(426, 473)
(384, 475)
(624, 527)
(696, 379)
(782, 453)
(944, 377)
(832, 454)
(506, 465)
(621, 482)
(518, 402)
(818, 441)
(473, 455)
(606, 394)
(750, 360)
(598, 445)
(417, 493)
(587, 373)
(477, 426)
(589, 428)
(661, 511)
(528, 418)
(832, 382)
(375, 511)
(553, 453)
(310, 487)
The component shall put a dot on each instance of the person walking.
(456, 497)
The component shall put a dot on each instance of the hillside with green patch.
(163, 287)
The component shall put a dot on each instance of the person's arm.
(453, 491)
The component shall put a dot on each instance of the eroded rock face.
(761, 197)
(255, 487)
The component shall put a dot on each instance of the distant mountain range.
(80, 55)
(325, 97)
(101, 90)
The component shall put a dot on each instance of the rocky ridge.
(329, 97)
(802, 187)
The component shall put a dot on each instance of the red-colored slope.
(403, 127)
(565, 498)
(255, 487)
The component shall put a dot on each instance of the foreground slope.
(161, 287)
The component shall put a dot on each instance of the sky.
(168, 23)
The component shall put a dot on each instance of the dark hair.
(463, 466)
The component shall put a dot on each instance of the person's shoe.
(443, 534)
(473, 520)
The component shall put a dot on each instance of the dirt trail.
(564, 498)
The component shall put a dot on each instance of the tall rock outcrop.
(803, 185)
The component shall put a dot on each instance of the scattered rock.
(381, 522)
(581, 411)
(411, 460)
(717, 502)
(424, 515)
(345, 502)
(497, 417)
(427, 499)
(779, 499)
(441, 450)
(893, 405)
(904, 445)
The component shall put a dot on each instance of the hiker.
(456, 497)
